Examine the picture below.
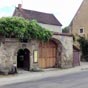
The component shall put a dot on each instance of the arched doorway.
(23, 59)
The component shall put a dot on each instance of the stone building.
(79, 24)
(57, 52)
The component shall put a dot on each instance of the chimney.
(19, 6)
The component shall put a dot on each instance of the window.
(35, 55)
(81, 30)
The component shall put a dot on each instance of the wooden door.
(47, 54)
(76, 58)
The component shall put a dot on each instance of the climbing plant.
(23, 29)
(84, 47)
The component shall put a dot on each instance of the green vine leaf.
(23, 29)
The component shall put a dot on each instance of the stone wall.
(80, 20)
(67, 50)
(10, 47)
(8, 54)
(7, 49)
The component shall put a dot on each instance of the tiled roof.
(41, 17)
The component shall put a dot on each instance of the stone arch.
(20, 46)
(60, 48)
(62, 55)
(67, 50)
(23, 59)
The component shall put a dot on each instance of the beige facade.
(79, 24)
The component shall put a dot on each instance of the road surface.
(76, 80)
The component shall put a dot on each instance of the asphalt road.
(76, 80)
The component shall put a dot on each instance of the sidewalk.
(32, 76)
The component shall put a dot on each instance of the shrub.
(84, 47)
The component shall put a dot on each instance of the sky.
(64, 10)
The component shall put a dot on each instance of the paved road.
(76, 80)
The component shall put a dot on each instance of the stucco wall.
(53, 28)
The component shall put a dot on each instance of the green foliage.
(23, 29)
(84, 47)
(65, 30)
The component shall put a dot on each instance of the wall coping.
(63, 34)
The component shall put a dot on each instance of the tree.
(65, 30)
(23, 29)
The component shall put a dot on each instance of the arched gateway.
(47, 54)
(23, 59)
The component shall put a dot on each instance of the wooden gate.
(76, 56)
(47, 54)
